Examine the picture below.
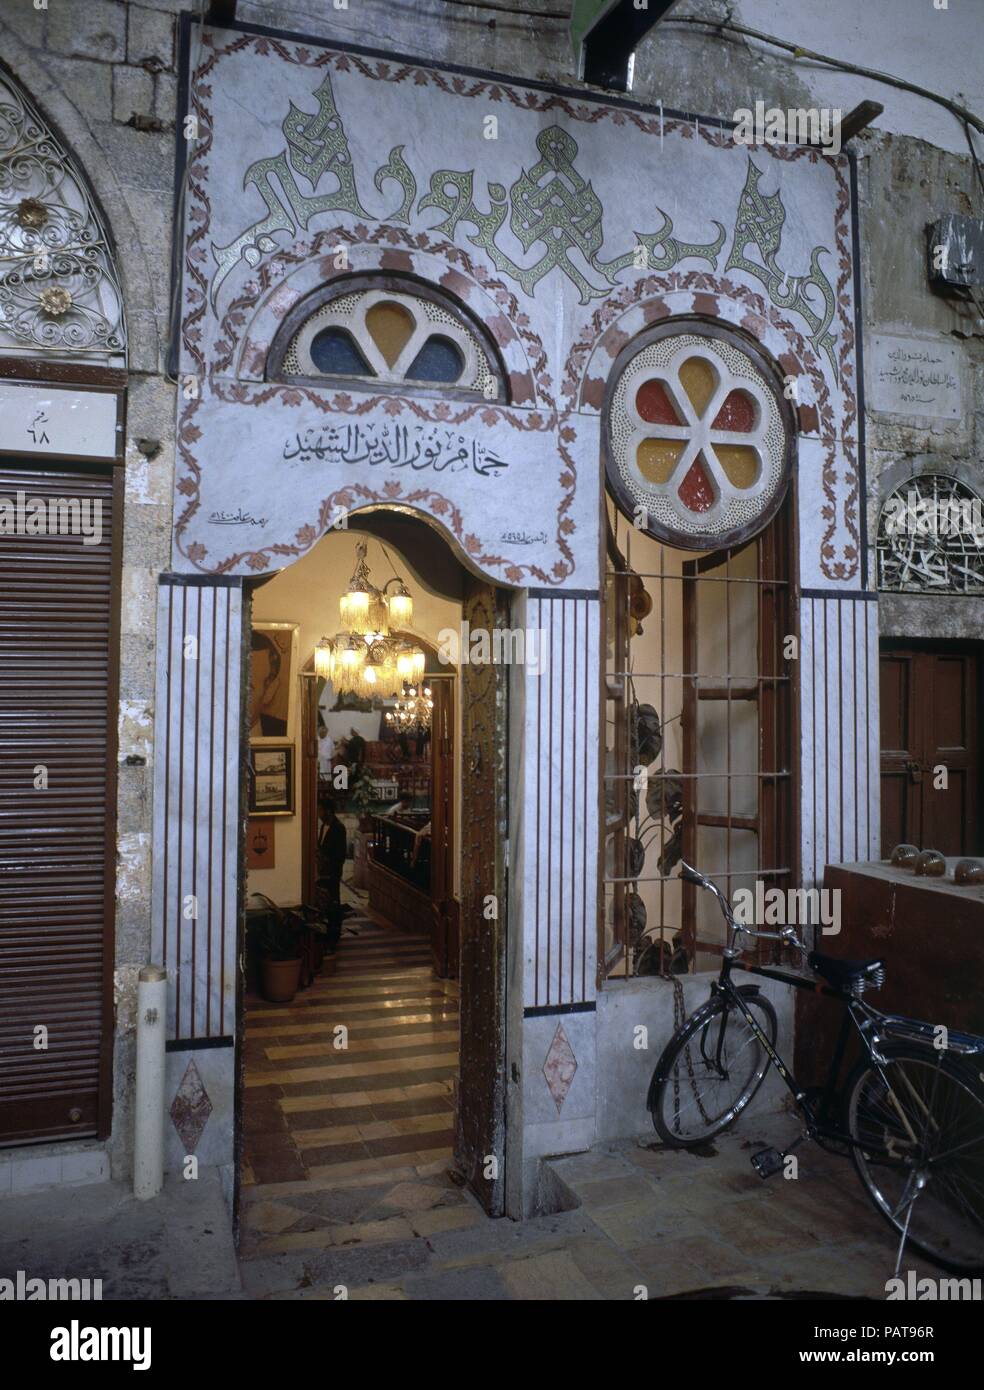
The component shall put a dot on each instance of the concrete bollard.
(148, 1141)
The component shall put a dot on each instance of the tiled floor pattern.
(336, 1138)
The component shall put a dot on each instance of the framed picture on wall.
(271, 780)
(273, 683)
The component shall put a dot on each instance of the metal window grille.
(698, 741)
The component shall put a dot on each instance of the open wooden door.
(308, 785)
(444, 930)
(480, 1119)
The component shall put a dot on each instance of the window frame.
(773, 532)
(411, 287)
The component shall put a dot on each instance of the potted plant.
(280, 949)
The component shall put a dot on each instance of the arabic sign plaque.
(56, 420)
(915, 376)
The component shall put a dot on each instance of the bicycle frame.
(868, 1022)
(862, 1016)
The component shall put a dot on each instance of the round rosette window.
(698, 438)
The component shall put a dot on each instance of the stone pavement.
(640, 1222)
(177, 1245)
(670, 1223)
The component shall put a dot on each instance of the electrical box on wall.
(956, 252)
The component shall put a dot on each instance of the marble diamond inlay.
(190, 1108)
(559, 1067)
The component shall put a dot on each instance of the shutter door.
(57, 846)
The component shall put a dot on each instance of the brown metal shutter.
(58, 634)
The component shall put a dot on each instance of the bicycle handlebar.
(691, 875)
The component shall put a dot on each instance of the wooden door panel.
(929, 721)
(442, 825)
(480, 1118)
(895, 683)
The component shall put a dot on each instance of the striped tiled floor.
(331, 1132)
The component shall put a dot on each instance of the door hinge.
(505, 853)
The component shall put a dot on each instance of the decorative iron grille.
(58, 288)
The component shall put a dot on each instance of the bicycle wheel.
(919, 1119)
(709, 1071)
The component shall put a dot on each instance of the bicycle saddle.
(845, 974)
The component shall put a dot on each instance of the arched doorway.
(404, 1090)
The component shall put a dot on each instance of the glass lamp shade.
(405, 666)
(363, 611)
(400, 607)
(324, 659)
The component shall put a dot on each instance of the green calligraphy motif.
(316, 145)
(759, 223)
(398, 170)
(674, 249)
(551, 205)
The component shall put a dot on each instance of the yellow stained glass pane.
(657, 458)
(698, 380)
(390, 326)
(740, 463)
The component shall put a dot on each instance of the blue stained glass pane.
(333, 350)
(438, 360)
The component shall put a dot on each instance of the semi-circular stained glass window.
(697, 437)
(393, 337)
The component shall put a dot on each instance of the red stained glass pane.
(696, 491)
(654, 405)
(737, 413)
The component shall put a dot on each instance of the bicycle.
(912, 1114)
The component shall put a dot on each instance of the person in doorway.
(326, 749)
(332, 848)
(355, 752)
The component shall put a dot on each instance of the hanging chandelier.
(413, 710)
(365, 658)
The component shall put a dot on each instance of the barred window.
(698, 710)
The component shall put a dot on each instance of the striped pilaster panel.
(561, 796)
(196, 803)
(839, 741)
